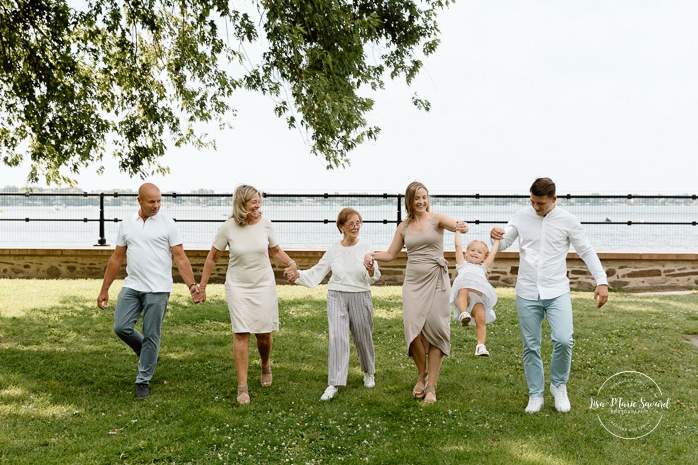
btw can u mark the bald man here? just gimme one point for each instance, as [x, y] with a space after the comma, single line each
[148, 240]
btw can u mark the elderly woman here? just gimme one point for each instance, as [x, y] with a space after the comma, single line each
[349, 302]
[426, 289]
[250, 286]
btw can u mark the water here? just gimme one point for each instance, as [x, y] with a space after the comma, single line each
[82, 227]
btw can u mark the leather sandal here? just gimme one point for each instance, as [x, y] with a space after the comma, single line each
[243, 395]
[430, 396]
[266, 377]
[419, 389]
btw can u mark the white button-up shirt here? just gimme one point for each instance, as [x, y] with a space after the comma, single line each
[544, 242]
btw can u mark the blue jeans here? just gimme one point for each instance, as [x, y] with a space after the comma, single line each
[559, 313]
[129, 307]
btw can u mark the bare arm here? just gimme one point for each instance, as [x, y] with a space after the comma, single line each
[185, 271]
[460, 258]
[394, 248]
[113, 266]
[279, 255]
[450, 224]
[493, 253]
[209, 264]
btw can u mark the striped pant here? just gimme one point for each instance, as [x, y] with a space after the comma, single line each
[349, 312]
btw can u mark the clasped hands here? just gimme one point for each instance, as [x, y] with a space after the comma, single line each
[198, 293]
[291, 272]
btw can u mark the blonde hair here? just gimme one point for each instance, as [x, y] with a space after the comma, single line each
[410, 194]
[478, 241]
[243, 194]
[344, 215]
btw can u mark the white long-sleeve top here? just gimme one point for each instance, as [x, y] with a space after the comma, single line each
[543, 246]
[347, 266]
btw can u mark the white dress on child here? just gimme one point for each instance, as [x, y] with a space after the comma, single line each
[474, 276]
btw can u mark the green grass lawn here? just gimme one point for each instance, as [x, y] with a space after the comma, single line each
[67, 393]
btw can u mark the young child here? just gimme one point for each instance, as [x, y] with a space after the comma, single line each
[472, 296]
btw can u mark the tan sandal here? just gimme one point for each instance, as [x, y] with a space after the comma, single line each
[430, 396]
[243, 395]
[266, 377]
[419, 389]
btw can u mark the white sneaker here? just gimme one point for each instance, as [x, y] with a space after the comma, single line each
[481, 350]
[369, 380]
[329, 393]
[535, 403]
[562, 402]
[464, 318]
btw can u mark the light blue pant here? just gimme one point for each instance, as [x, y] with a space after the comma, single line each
[129, 307]
[559, 314]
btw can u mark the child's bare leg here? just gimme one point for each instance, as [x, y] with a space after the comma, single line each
[462, 303]
[463, 300]
[480, 326]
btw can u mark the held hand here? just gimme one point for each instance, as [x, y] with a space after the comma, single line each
[102, 300]
[291, 272]
[195, 292]
[497, 233]
[601, 295]
[462, 227]
[369, 266]
[200, 296]
[368, 261]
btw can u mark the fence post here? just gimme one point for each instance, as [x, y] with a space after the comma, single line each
[102, 241]
[399, 209]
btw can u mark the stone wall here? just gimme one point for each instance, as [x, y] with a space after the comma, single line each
[626, 271]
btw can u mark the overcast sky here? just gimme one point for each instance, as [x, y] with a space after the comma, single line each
[600, 95]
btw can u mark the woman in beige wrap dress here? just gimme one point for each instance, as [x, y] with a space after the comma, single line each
[426, 289]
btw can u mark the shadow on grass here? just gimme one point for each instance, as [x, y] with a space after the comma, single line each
[66, 394]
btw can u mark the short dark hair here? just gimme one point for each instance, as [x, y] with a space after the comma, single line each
[543, 187]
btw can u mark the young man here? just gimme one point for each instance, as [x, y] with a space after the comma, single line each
[545, 233]
[149, 241]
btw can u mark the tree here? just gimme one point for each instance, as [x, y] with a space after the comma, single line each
[128, 75]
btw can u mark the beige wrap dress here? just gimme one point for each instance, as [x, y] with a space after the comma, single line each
[426, 289]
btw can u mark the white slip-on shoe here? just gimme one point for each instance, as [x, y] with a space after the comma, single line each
[329, 393]
[464, 318]
[535, 403]
[369, 380]
[562, 402]
[481, 350]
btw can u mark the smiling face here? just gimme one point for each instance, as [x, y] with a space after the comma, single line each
[416, 199]
[350, 229]
[476, 252]
[421, 200]
[252, 207]
[543, 204]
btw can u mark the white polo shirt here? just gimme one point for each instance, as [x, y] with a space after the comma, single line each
[148, 251]
[543, 246]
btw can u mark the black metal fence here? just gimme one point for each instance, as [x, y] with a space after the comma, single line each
[306, 221]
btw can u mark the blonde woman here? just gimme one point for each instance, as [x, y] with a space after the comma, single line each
[427, 286]
[250, 285]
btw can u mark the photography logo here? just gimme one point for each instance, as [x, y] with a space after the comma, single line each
[629, 405]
